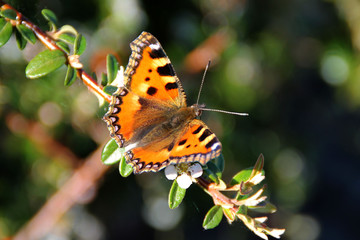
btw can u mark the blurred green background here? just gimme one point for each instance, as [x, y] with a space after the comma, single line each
[292, 65]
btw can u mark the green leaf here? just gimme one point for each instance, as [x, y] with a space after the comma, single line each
[63, 46]
[5, 31]
[93, 75]
[26, 33]
[9, 13]
[44, 63]
[70, 76]
[104, 81]
[79, 44]
[212, 172]
[124, 168]
[50, 16]
[68, 29]
[264, 207]
[259, 166]
[20, 40]
[112, 67]
[241, 176]
[110, 89]
[176, 195]
[111, 153]
[219, 162]
[229, 215]
[66, 38]
[242, 210]
[211, 175]
[2, 22]
[212, 166]
[213, 217]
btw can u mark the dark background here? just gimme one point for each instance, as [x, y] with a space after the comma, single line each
[292, 65]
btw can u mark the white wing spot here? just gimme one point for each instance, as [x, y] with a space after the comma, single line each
[155, 46]
[215, 146]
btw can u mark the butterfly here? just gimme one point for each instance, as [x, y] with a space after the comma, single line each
[149, 117]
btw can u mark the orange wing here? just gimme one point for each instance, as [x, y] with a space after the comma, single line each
[196, 144]
[120, 117]
[147, 159]
[150, 74]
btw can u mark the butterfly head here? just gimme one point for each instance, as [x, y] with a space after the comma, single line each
[198, 109]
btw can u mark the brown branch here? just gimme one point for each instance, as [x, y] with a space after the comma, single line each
[216, 195]
[83, 179]
[35, 132]
[80, 183]
[210, 49]
[51, 44]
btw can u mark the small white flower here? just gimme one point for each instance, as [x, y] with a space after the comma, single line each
[184, 181]
[184, 173]
[171, 172]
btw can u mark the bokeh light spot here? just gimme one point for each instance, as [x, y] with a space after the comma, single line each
[241, 70]
[158, 214]
[288, 165]
[303, 227]
[84, 108]
[292, 195]
[50, 114]
[334, 69]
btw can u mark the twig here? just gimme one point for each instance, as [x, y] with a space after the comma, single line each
[216, 195]
[35, 132]
[50, 44]
[83, 180]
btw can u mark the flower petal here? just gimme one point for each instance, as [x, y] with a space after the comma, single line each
[184, 181]
[196, 170]
[171, 172]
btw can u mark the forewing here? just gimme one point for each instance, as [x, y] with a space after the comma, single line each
[150, 74]
[120, 119]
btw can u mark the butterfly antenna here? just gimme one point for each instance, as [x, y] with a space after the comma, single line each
[209, 109]
[222, 111]
[202, 82]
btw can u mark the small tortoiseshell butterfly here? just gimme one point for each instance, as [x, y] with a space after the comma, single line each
[149, 117]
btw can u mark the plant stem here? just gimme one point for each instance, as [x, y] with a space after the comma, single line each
[217, 196]
[51, 44]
